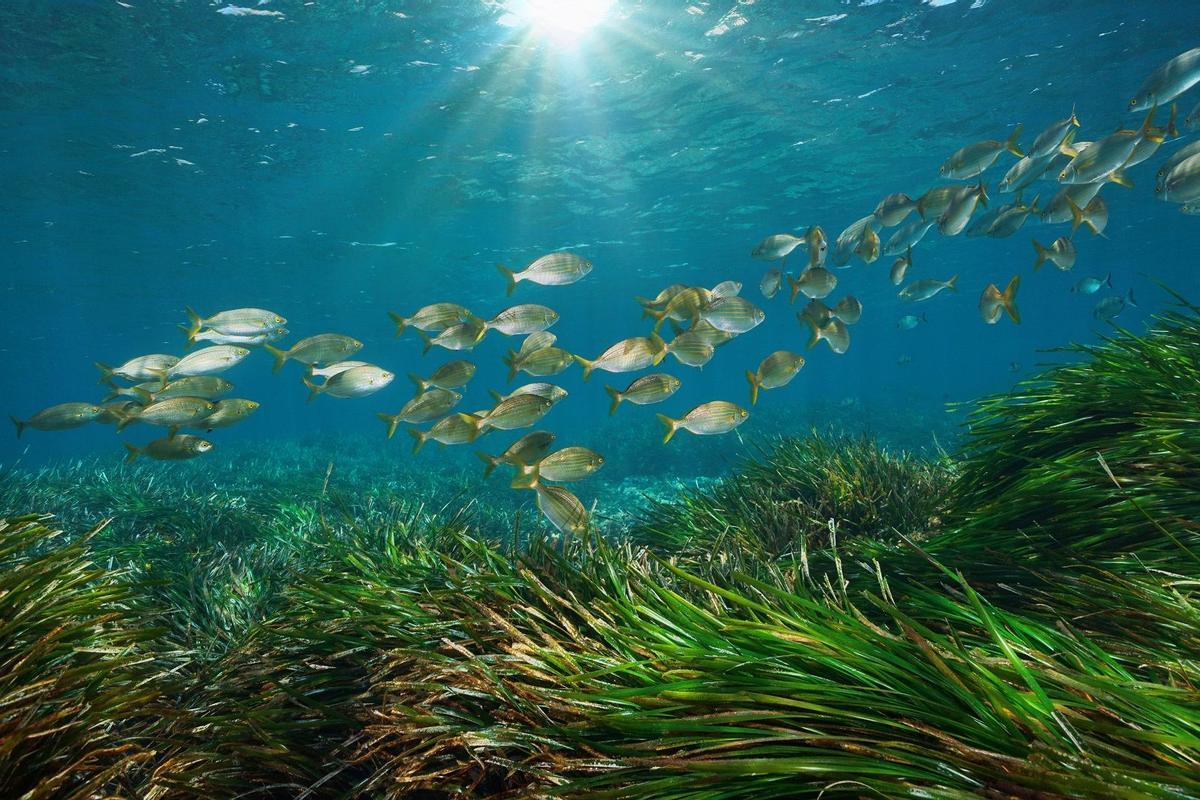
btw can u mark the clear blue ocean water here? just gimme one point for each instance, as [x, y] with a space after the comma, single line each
[333, 161]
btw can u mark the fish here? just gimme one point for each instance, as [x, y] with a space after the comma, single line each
[973, 159]
[113, 413]
[776, 247]
[1192, 121]
[868, 247]
[849, 240]
[1050, 140]
[425, 407]
[355, 382]
[1058, 210]
[691, 348]
[451, 375]
[662, 298]
[1147, 146]
[529, 449]
[732, 314]
[236, 322]
[993, 302]
[433, 318]
[818, 245]
[910, 321]
[175, 412]
[563, 509]
[900, 267]
[554, 269]
[627, 355]
[774, 371]
[707, 419]
[323, 349]
[936, 200]
[1061, 253]
[685, 306]
[1110, 307]
[1192, 207]
[956, 216]
[644, 391]
[908, 236]
[205, 361]
[142, 368]
[60, 417]
[540, 362]
[815, 283]
[228, 412]
[1092, 285]
[1104, 159]
[1182, 183]
[521, 320]
[1012, 218]
[834, 333]
[1168, 81]
[848, 309]
[726, 289]
[210, 387]
[460, 428]
[981, 224]
[772, 279]
[547, 390]
[520, 411]
[927, 288]
[1095, 216]
[562, 466]
[462, 336]
[893, 209]
[707, 332]
[212, 337]
[904, 360]
[1025, 173]
[1174, 160]
[818, 312]
[180, 447]
[333, 369]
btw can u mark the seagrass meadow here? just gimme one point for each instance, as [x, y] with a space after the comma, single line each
[1016, 616]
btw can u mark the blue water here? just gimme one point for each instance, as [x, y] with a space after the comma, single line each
[334, 161]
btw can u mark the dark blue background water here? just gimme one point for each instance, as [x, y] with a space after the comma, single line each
[157, 154]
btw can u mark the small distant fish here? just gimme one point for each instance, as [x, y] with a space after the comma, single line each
[1095, 216]
[520, 411]
[562, 466]
[1192, 208]
[433, 318]
[462, 336]
[908, 236]
[900, 267]
[1168, 81]
[834, 333]
[460, 428]
[323, 349]
[1061, 253]
[927, 288]
[529, 449]
[451, 375]
[848, 310]
[236, 322]
[522, 320]
[175, 412]
[180, 447]
[774, 371]
[425, 407]
[726, 289]
[628, 355]
[228, 412]
[993, 302]
[772, 279]
[59, 418]
[142, 368]
[894, 208]
[706, 419]
[910, 321]
[975, 158]
[361, 381]
[646, 390]
[777, 247]
[814, 283]
[1092, 285]
[1050, 140]
[555, 269]
[869, 246]
[732, 314]
[206, 361]
[563, 509]
[904, 360]
[547, 390]
[1110, 307]
[1014, 366]
[691, 348]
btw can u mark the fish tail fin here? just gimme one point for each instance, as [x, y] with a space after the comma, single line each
[952, 284]
[427, 339]
[280, 357]
[588, 366]
[794, 283]
[983, 195]
[671, 426]
[510, 359]
[114, 392]
[20, 425]
[420, 382]
[754, 386]
[1130, 299]
[510, 276]
[401, 322]
[106, 372]
[616, 396]
[1067, 145]
[661, 349]
[659, 318]
[1033, 207]
[1010, 144]
[419, 437]
[496, 395]
[1010, 299]
[391, 420]
[142, 395]
[1119, 177]
[1108, 280]
[131, 452]
[923, 317]
[194, 324]
[1042, 255]
[1171, 130]
[527, 477]
[814, 332]
[1077, 215]
[644, 302]
[489, 463]
[124, 421]
[1147, 130]
[314, 389]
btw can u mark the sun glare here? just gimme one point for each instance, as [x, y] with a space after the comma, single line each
[560, 20]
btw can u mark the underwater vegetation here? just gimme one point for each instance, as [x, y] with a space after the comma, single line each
[822, 623]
